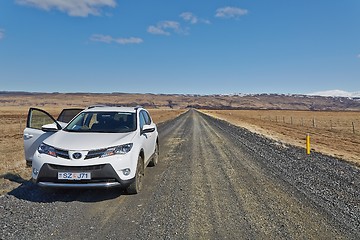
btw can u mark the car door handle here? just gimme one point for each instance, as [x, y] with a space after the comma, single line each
[28, 136]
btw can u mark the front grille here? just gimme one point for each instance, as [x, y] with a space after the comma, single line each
[76, 168]
[62, 153]
[95, 153]
[91, 154]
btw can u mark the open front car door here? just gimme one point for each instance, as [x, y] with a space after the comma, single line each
[40, 125]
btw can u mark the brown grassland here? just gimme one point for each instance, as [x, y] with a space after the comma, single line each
[12, 124]
[333, 133]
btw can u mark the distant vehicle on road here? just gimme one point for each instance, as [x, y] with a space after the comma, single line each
[100, 146]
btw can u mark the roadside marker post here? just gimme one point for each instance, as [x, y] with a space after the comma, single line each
[308, 144]
[353, 127]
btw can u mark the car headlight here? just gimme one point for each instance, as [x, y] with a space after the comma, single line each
[122, 149]
[46, 149]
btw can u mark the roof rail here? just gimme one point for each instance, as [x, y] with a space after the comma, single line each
[94, 106]
[137, 107]
[102, 105]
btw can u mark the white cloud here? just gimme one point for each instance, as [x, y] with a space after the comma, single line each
[101, 38]
[230, 12]
[358, 55]
[131, 40]
[110, 39]
[2, 33]
[78, 8]
[157, 31]
[164, 28]
[192, 18]
[170, 25]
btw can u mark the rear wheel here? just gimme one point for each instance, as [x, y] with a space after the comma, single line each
[135, 187]
[155, 159]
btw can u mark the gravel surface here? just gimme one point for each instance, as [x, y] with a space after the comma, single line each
[214, 181]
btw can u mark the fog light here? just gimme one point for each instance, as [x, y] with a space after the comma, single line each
[35, 171]
[126, 171]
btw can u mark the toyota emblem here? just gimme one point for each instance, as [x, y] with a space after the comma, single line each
[77, 155]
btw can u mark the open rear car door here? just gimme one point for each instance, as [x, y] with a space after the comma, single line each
[40, 125]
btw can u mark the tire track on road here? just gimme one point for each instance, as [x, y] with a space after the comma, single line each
[215, 210]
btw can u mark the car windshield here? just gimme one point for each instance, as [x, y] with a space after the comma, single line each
[108, 122]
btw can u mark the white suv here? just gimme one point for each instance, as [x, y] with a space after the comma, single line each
[101, 146]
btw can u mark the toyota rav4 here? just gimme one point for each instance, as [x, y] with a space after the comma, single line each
[100, 146]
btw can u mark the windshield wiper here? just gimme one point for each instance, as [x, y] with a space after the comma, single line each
[73, 130]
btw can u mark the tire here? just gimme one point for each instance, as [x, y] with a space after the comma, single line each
[135, 187]
[155, 159]
[28, 164]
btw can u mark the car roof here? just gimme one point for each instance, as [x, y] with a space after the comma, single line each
[111, 109]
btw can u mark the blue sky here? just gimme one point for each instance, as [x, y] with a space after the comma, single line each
[180, 46]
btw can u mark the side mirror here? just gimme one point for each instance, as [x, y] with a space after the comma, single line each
[147, 129]
[53, 127]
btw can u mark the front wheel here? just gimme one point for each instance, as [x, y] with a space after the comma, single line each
[155, 159]
[135, 187]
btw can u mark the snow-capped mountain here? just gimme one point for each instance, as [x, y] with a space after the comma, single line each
[336, 93]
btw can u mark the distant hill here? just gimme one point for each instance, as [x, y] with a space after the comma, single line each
[233, 101]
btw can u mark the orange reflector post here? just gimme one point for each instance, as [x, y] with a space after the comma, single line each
[308, 144]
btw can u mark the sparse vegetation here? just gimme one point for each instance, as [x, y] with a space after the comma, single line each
[331, 132]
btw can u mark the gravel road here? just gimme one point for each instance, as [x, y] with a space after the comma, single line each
[214, 181]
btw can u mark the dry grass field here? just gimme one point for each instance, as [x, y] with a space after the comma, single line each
[12, 124]
[333, 133]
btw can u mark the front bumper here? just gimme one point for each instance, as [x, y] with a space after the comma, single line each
[102, 176]
[79, 185]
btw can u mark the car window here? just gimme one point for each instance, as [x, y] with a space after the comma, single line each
[67, 114]
[90, 119]
[109, 122]
[37, 118]
[146, 117]
[142, 120]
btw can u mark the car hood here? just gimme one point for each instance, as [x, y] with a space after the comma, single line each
[88, 141]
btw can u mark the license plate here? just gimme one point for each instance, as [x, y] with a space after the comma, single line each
[74, 176]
